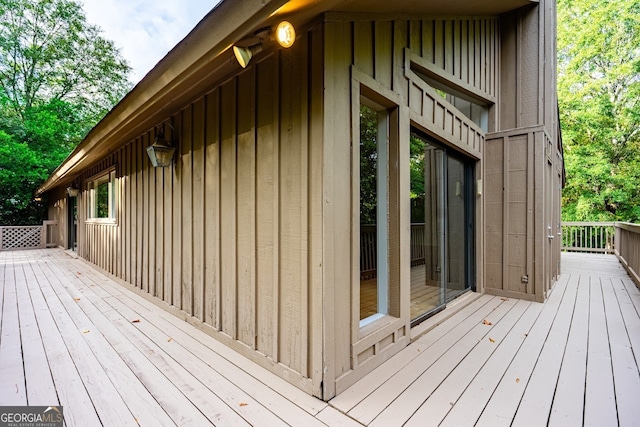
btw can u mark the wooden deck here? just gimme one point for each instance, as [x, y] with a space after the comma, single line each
[70, 335]
[570, 361]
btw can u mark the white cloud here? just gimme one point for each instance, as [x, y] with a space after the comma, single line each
[145, 30]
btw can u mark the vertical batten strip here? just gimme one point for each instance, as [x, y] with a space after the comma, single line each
[277, 102]
[198, 162]
[140, 220]
[212, 209]
[177, 241]
[315, 161]
[158, 193]
[304, 203]
[245, 207]
[228, 210]
[168, 175]
[266, 218]
[127, 212]
[144, 208]
[186, 158]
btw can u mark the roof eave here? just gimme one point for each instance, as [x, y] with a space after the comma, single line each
[224, 25]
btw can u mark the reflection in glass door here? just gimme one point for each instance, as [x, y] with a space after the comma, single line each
[441, 227]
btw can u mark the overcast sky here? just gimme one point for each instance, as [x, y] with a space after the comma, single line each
[145, 30]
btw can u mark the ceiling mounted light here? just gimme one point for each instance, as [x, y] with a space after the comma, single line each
[244, 54]
[285, 34]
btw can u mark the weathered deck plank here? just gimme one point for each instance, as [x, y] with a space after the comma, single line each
[568, 404]
[435, 409]
[538, 367]
[195, 342]
[535, 364]
[600, 404]
[39, 383]
[11, 372]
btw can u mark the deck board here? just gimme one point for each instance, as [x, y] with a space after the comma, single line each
[599, 405]
[11, 372]
[437, 406]
[474, 396]
[180, 331]
[68, 336]
[505, 399]
[38, 381]
[536, 402]
[568, 404]
[533, 374]
[376, 402]
[625, 370]
[426, 384]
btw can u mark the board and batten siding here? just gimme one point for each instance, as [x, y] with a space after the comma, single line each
[384, 55]
[523, 178]
[252, 233]
[523, 162]
[229, 236]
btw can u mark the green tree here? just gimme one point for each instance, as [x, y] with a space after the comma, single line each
[58, 78]
[599, 93]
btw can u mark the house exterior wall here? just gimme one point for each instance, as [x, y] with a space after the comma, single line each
[229, 236]
[505, 63]
[524, 164]
[383, 57]
[252, 234]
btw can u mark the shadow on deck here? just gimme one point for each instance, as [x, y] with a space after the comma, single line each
[72, 336]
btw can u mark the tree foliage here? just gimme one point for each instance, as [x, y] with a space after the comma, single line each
[599, 93]
[58, 77]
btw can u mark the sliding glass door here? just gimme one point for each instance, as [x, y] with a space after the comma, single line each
[441, 226]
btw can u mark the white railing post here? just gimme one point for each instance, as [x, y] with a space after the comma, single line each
[590, 237]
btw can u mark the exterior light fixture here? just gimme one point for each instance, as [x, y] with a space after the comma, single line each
[244, 54]
[285, 34]
[73, 191]
[161, 152]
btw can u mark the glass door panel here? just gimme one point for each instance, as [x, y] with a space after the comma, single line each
[456, 282]
[441, 227]
[427, 227]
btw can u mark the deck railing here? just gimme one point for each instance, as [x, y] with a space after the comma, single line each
[28, 237]
[619, 238]
[591, 237]
[628, 248]
[368, 254]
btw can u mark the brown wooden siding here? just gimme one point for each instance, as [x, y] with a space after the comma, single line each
[466, 49]
[250, 233]
[522, 213]
[226, 234]
[463, 52]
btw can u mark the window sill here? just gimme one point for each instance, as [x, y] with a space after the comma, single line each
[375, 323]
[102, 221]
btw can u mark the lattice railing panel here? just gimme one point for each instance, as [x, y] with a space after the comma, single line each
[21, 237]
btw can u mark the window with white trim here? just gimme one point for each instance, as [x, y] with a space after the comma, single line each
[378, 208]
[101, 197]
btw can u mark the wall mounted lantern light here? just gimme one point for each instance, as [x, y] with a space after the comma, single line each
[161, 152]
[73, 191]
[285, 35]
